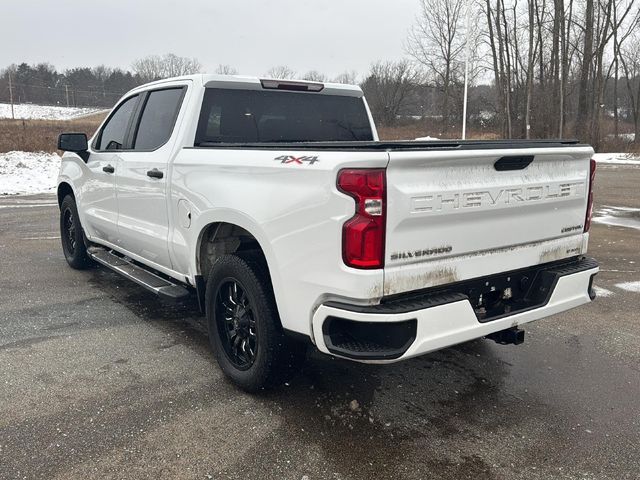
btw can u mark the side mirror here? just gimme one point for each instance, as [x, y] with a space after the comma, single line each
[73, 142]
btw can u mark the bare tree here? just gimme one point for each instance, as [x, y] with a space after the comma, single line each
[437, 42]
[630, 61]
[349, 77]
[388, 87]
[622, 32]
[281, 72]
[155, 67]
[102, 72]
[565, 20]
[582, 126]
[226, 70]
[501, 40]
[613, 15]
[554, 57]
[314, 76]
[530, 61]
[498, 69]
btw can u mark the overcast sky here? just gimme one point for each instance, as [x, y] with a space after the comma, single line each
[252, 35]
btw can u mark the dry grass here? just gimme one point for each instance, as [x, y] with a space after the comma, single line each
[417, 130]
[42, 135]
[611, 144]
[405, 132]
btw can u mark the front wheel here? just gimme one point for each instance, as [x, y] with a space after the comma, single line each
[244, 328]
[72, 235]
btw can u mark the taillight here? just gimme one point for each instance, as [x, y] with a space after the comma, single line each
[363, 234]
[592, 177]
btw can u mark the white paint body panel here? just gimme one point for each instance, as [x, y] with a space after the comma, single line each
[480, 221]
[98, 190]
[296, 214]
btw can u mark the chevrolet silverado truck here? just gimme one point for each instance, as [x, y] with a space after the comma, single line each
[275, 204]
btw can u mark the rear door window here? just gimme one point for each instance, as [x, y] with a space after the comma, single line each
[248, 116]
[112, 136]
[158, 118]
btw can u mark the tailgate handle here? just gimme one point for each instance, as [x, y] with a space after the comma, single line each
[513, 163]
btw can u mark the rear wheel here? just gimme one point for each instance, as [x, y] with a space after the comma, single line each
[72, 235]
[244, 328]
[236, 323]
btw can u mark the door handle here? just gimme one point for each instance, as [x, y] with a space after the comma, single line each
[108, 169]
[155, 173]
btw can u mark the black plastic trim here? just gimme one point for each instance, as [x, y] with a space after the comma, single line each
[382, 340]
[297, 336]
[519, 162]
[400, 145]
[455, 292]
[392, 305]
[201, 287]
[592, 292]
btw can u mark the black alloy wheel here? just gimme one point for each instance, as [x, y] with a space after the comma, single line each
[69, 230]
[245, 332]
[74, 243]
[236, 324]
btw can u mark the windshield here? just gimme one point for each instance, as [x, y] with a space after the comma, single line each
[247, 116]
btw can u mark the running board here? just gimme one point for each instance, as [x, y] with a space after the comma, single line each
[143, 277]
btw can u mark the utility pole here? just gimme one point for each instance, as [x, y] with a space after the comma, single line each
[66, 91]
[13, 116]
[466, 74]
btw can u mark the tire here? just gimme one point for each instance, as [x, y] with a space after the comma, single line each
[72, 235]
[239, 299]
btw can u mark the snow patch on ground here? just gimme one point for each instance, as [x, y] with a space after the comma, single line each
[618, 216]
[44, 112]
[629, 286]
[627, 137]
[602, 292]
[28, 172]
[426, 138]
[617, 158]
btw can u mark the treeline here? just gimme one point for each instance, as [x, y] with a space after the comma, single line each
[96, 87]
[102, 86]
[536, 69]
[557, 67]
[43, 84]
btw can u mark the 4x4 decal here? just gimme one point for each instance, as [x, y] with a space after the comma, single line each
[297, 160]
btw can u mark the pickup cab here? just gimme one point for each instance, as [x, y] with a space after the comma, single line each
[274, 203]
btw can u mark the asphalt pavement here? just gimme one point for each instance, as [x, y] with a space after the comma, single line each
[98, 379]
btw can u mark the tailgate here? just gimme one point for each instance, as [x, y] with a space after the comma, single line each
[455, 215]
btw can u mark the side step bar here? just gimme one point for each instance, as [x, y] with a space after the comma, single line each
[143, 277]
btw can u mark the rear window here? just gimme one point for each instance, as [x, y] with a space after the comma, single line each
[248, 116]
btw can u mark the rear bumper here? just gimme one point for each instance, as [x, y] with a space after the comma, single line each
[439, 319]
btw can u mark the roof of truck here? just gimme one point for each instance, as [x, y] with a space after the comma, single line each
[242, 81]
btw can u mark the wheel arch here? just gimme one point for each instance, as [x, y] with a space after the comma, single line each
[223, 238]
[219, 238]
[64, 189]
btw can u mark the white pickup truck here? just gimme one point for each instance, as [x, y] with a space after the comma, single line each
[277, 204]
